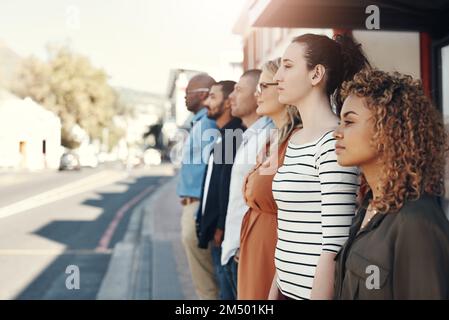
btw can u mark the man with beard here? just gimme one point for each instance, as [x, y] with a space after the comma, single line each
[213, 209]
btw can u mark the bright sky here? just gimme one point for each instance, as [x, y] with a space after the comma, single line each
[135, 41]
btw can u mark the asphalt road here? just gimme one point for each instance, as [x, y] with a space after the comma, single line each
[75, 224]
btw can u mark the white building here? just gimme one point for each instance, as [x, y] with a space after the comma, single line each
[30, 135]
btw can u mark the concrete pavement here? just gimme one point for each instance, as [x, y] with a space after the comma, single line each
[150, 262]
[37, 245]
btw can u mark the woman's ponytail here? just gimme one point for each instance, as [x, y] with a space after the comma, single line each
[353, 60]
[342, 58]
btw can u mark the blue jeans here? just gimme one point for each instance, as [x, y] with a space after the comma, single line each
[226, 292]
[231, 269]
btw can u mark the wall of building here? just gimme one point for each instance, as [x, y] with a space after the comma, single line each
[392, 51]
[263, 44]
[24, 125]
[386, 50]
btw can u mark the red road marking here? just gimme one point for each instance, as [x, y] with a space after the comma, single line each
[109, 233]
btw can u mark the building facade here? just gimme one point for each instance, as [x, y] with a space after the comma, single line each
[413, 37]
[30, 135]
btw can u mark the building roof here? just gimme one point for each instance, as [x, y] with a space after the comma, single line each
[24, 116]
[409, 15]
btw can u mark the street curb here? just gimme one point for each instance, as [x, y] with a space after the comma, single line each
[127, 268]
[143, 265]
[167, 268]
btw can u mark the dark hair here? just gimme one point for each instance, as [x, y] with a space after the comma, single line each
[342, 58]
[227, 86]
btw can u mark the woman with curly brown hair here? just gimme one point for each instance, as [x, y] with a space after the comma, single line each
[398, 246]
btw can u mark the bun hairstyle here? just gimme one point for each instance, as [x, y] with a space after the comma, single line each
[342, 58]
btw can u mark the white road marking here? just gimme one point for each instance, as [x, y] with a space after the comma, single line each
[50, 252]
[91, 182]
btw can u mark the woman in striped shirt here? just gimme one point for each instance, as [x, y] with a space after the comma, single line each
[314, 194]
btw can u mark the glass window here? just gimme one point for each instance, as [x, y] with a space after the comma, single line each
[444, 87]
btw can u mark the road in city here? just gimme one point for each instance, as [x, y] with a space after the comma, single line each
[52, 220]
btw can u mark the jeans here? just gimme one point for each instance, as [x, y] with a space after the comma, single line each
[231, 269]
[226, 290]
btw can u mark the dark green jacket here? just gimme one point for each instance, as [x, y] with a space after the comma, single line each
[402, 255]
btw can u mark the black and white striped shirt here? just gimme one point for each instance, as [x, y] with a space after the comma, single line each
[316, 203]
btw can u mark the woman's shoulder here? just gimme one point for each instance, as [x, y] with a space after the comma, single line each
[424, 213]
[326, 137]
[326, 143]
[289, 137]
[416, 208]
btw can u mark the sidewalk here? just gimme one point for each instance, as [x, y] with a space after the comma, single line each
[150, 262]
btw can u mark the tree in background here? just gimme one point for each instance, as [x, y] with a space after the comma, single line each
[76, 91]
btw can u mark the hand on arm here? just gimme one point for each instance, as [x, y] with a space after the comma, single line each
[274, 293]
[218, 237]
[237, 255]
[323, 283]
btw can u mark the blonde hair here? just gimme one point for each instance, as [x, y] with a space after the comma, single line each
[293, 117]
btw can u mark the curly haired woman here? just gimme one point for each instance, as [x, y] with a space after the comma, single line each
[398, 246]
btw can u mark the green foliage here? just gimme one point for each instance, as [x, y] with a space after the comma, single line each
[76, 91]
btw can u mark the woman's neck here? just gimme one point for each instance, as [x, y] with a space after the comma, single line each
[372, 173]
[250, 119]
[316, 112]
[279, 119]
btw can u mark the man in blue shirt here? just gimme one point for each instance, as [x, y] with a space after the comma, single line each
[190, 185]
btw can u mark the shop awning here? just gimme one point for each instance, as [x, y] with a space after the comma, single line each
[408, 15]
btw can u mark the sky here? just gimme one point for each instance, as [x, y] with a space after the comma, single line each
[136, 42]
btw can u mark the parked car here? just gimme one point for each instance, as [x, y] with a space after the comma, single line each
[69, 161]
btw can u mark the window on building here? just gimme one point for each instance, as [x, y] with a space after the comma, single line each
[445, 82]
[444, 87]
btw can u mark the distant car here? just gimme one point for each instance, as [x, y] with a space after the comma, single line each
[69, 161]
